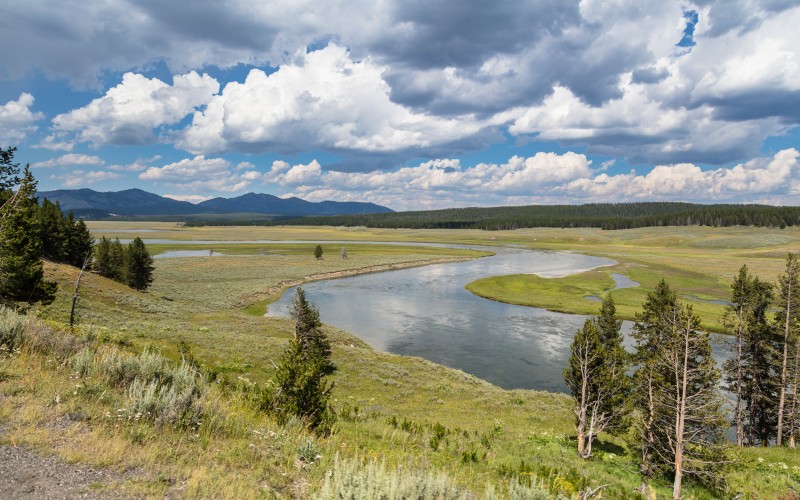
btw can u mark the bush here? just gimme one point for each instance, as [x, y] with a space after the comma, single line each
[171, 402]
[82, 362]
[12, 327]
[350, 479]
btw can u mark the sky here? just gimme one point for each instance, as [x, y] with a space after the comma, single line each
[406, 103]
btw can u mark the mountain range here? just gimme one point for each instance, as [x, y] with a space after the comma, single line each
[137, 203]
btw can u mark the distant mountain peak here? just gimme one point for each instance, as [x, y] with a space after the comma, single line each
[137, 202]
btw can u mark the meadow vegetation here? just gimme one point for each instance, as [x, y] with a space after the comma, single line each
[159, 382]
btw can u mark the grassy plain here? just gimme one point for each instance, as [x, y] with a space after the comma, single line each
[401, 410]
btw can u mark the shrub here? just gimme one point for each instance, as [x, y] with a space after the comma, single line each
[82, 362]
[12, 326]
[350, 479]
[171, 402]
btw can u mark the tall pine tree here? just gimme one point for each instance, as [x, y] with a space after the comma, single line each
[302, 390]
[682, 417]
[596, 375]
[21, 269]
[139, 265]
[787, 321]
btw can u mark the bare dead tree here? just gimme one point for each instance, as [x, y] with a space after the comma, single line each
[86, 261]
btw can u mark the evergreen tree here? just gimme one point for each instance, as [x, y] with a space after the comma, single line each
[117, 261]
[21, 269]
[308, 329]
[787, 320]
[648, 331]
[618, 363]
[79, 242]
[318, 252]
[750, 372]
[53, 234]
[682, 417]
[139, 265]
[761, 377]
[9, 173]
[102, 257]
[596, 375]
[302, 390]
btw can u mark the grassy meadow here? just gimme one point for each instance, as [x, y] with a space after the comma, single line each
[393, 410]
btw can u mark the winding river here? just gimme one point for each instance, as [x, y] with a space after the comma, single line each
[426, 312]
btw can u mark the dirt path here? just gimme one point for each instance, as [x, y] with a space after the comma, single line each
[26, 474]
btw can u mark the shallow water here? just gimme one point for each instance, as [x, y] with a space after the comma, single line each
[426, 312]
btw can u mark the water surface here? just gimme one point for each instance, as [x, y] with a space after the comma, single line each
[426, 312]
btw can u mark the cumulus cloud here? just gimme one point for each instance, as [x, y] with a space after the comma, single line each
[543, 178]
[17, 120]
[393, 80]
[55, 142]
[78, 178]
[69, 160]
[129, 112]
[324, 99]
[201, 174]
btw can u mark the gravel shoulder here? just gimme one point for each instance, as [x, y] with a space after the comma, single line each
[27, 474]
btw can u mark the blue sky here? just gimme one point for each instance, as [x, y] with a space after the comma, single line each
[410, 104]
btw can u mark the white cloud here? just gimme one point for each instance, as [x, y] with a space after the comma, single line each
[543, 178]
[17, 120]
[129, 112]
[55, 142]
[68, 160]
[201, 174]
[78, 178]
[323, 99]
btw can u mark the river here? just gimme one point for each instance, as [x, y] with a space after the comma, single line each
[426, 312]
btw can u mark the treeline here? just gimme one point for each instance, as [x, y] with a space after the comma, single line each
[598, 215]
[672, 399]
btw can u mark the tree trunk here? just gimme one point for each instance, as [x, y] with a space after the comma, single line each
[739, 409]
[582, 410]
[793, 410]
[782, 398]
[77, 288]
[680, 418]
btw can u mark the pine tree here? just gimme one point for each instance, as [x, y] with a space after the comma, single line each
[597, 379]
[648, 331]
[750, 373]
[139, 265]
[51, 223]
[117, 261]
[21, 269]
[80, 242]
[308, 329]
[318, 252]
[102, 257]
[302, 390]
[787, 320]
[682, 418]
[9, 173]
[618, 363]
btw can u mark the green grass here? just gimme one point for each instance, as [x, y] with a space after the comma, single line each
[393, 409]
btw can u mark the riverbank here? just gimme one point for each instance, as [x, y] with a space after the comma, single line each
[256, 304]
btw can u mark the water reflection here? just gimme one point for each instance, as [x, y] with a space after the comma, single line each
[426, 312]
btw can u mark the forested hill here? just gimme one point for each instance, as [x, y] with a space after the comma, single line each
[601, 215]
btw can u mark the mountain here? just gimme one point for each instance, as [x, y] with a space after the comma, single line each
[269, 204]
[135, 203]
